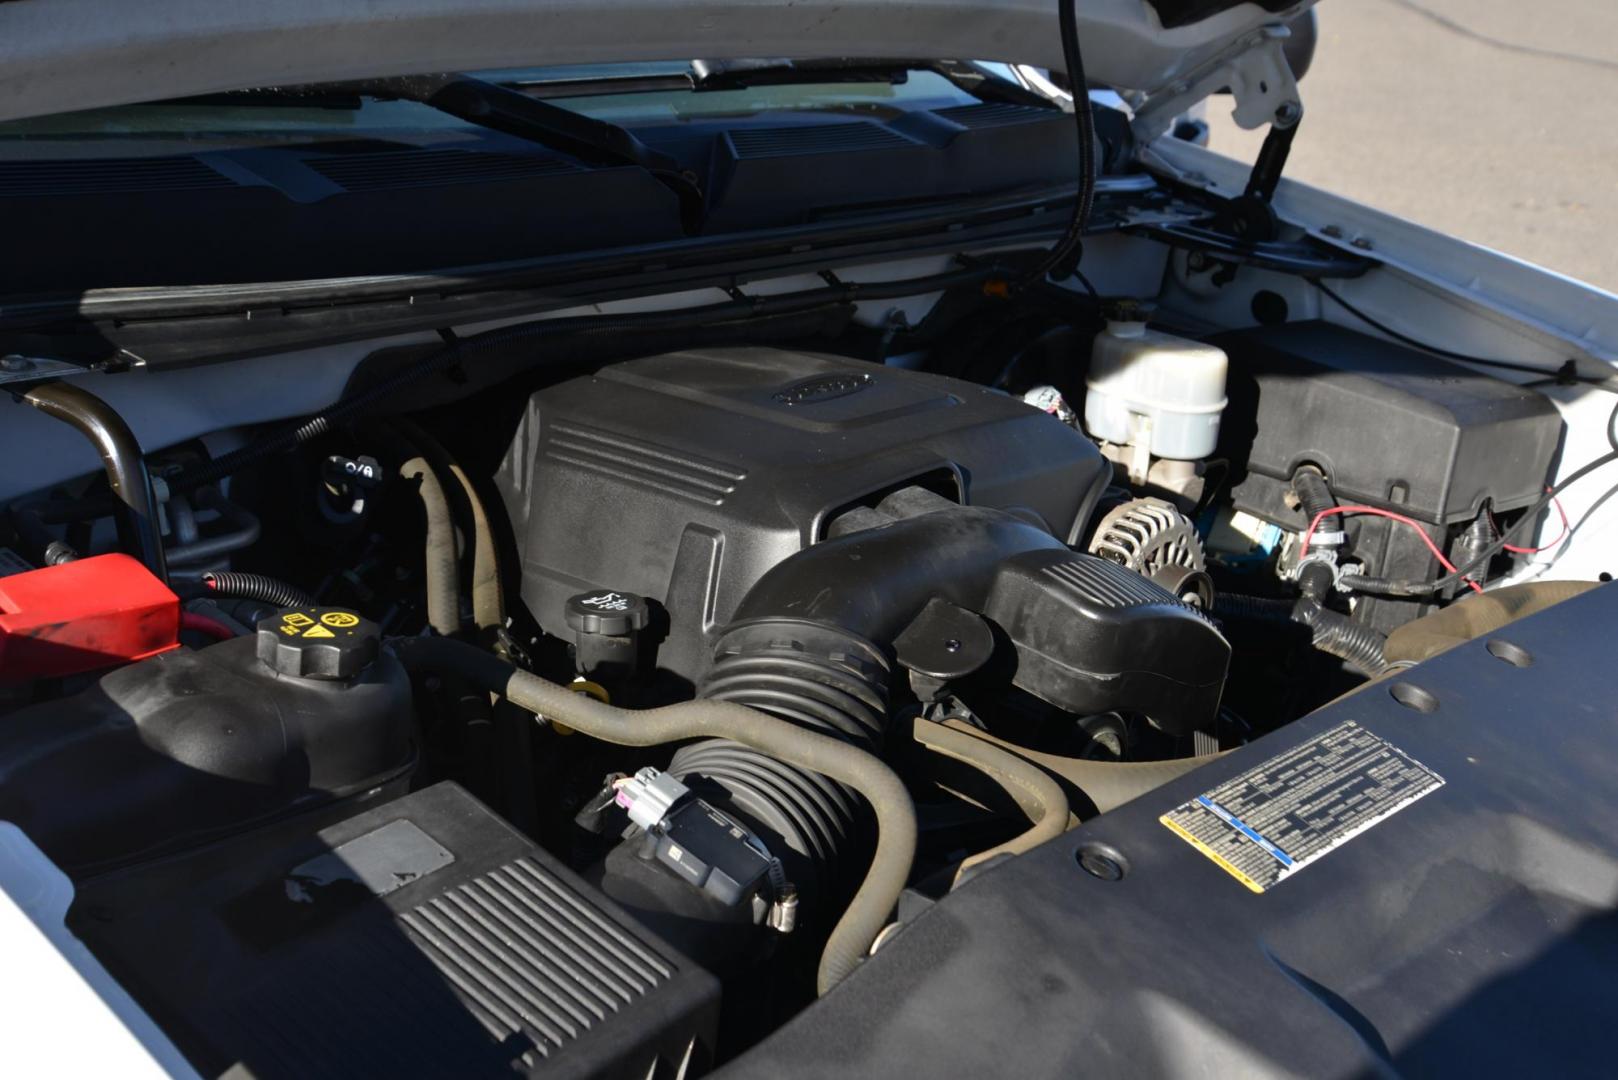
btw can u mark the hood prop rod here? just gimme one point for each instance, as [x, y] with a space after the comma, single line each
[139, 532]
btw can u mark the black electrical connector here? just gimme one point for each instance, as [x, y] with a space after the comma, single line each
[710, 852]
[702, 847]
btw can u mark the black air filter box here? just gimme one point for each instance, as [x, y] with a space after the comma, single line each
[423, 938]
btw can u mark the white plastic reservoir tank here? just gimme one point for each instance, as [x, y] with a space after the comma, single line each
[1159, 393]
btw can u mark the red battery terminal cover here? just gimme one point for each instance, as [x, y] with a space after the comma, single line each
[83, 615]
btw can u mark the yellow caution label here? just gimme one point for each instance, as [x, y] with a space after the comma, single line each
[1219, 860]
[289, 630]
[318, 631]
[339, 619]
[1266, 824]
[297, 618]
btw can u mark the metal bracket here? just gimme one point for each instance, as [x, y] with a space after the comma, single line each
[1254, 70]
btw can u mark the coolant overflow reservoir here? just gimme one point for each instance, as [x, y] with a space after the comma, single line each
[1160, 394]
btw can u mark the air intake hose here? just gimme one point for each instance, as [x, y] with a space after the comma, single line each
[810, 644]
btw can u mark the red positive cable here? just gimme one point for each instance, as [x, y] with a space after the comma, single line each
[1567, 527]
[202, 624]
[1390, 515]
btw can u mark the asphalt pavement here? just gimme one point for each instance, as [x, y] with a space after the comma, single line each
[1493, 120]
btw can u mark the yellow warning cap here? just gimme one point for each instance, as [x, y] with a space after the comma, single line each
[318, 643]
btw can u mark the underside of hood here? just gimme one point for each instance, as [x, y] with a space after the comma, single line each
[64, 55]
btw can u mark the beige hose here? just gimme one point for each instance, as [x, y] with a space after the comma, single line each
[443, 570]
[867, 913]
[1106, 785]
[488, 602]
[1040, 797]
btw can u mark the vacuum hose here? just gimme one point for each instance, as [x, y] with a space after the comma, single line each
[812, 752]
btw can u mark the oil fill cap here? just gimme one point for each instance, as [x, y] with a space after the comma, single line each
[608, 612]
[318, 643]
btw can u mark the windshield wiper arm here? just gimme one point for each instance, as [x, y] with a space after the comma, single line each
[500, 108]
[772, 71]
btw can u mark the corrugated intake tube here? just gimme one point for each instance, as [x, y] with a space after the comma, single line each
[810, 644]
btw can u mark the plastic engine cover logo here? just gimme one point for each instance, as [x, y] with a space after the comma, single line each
[823, 388]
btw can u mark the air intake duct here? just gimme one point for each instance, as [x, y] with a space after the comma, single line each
[811, 644]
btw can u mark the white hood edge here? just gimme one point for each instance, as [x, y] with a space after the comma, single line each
[64, 55]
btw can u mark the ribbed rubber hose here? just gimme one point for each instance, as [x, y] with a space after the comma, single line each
[1335, 634]
[1314, 495]
[1106, 784]
[265, 590]
[1040, 797]
[1331, 632]
[443, 570]
[872, 904]
[817, 656]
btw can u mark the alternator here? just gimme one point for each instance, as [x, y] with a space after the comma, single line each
[1152, 538]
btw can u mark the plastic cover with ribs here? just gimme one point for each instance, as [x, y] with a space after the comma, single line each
[1091, 636]
[425, 937]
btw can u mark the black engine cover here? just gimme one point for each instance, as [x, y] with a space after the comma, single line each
[685, 477]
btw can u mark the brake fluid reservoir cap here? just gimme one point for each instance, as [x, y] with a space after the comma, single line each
[318, 643]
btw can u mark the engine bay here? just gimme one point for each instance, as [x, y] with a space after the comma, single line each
[601, 713]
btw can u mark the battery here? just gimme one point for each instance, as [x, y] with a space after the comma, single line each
[83, 615]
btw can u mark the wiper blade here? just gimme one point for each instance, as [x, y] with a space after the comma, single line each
[772, 71]
[272, 97]
[767, 71]
[512, 112]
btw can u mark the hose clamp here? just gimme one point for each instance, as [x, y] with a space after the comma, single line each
[1327, 557]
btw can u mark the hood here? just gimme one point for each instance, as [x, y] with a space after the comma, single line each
[64, 55]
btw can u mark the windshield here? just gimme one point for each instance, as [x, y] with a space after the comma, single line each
[439, 173]
[625, 94]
